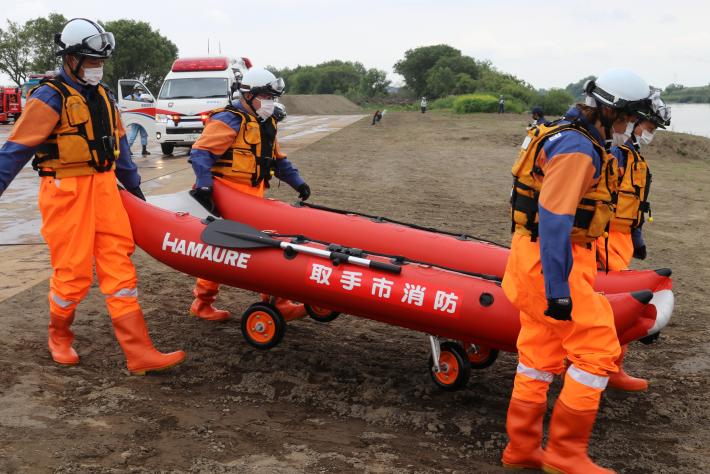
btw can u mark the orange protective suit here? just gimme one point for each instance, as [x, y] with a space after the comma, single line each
[620, 248]
[589, 341]
[79, 229]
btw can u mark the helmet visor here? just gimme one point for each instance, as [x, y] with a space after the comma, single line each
[101, 43]
[276, 86]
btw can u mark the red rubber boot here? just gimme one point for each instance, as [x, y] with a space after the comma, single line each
[524, 426]
[60, 340]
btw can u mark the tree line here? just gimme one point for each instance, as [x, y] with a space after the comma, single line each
[438, 72]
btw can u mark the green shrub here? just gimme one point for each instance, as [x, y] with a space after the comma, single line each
[443, 103]
[475, 103]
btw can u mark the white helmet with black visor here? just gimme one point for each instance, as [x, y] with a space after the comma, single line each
[619, 89]
[258, 82]
[82, 38]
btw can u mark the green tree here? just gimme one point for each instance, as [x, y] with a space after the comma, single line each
[40, 32]
[555, 101]
[374, 83]
[465, 84]
[417, 62]
[15, 52]
[440, 81]
[141, 53]
[577, 88]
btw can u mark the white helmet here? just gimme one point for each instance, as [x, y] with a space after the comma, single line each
[84, 37]
[260, 81]
[618, 89]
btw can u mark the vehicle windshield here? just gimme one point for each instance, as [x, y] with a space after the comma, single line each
[195, 88]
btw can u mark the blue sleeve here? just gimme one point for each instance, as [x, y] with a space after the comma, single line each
[13, 157]
[555, 252]
[285, 171]
[619, 155]
[126, 169]
[202, 161]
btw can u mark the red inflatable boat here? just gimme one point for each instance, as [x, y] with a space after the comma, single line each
[432, 300]
[381, 235]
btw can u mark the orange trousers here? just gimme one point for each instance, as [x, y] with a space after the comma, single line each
[246, 189]
[84, 223]
[621, 250]
[589, 342]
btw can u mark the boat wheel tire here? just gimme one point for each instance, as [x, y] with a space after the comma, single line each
[455, 367]
[322, 315]
[263, 326]
[481, 357]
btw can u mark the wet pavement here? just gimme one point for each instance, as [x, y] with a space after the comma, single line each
[22, 250]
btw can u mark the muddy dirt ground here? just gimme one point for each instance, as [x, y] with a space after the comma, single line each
[354, 395]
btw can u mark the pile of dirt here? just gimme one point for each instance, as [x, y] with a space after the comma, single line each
[354, 395]
[318, 104]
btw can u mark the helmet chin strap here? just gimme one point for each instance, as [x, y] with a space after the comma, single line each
[608, 131]
[75, 70]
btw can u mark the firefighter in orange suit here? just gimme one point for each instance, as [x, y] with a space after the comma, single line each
[72, 127]
[562, 200]
[239, 146]
[625, 238]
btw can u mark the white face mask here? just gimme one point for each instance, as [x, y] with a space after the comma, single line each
[266, 109]
[645, 138]
[93, 75]
[621, 138]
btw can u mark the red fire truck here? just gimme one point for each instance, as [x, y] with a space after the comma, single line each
[10, 104]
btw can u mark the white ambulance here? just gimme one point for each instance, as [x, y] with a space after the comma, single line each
[192, 88]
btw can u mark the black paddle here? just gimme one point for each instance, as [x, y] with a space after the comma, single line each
[232, 234]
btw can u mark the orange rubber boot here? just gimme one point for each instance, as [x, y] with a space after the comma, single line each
[290, 309]
[524, 426]
[202, 306]
[566, 450]
[141, 356]
[623, 381]
[60, 340]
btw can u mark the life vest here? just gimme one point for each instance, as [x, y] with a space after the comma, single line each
[596, 207]
[634, 185]
[85, 140]
[252, 157]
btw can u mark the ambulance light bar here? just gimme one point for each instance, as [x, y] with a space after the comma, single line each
[200, 64]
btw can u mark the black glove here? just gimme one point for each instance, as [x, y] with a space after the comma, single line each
[640, 252]
[304, 191]
[137, 192]
[559, 308]
[204, 197]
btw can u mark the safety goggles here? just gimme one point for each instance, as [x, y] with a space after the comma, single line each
[274, 88]
[660, 111]
[100, 42]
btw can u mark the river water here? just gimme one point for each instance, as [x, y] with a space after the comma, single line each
[691, 118]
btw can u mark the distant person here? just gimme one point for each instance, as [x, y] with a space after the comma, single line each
[501, 105]
[377, 117]
[423, 104]
[134, 128]
[538, 116]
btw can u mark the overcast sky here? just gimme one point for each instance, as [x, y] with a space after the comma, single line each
[547, 43]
